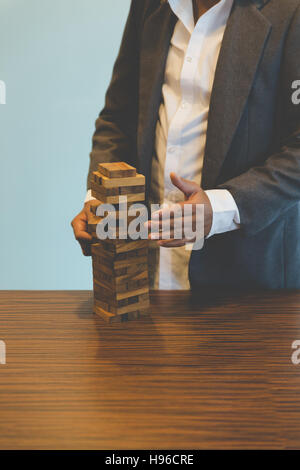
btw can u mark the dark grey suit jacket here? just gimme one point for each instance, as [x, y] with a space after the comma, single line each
[253, 137]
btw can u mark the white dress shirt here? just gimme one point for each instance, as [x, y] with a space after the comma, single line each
[181, 129]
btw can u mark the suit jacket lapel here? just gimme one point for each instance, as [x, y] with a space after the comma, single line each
[243, 44]
[156, 36]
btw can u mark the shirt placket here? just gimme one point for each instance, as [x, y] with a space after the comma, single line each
[175, 149]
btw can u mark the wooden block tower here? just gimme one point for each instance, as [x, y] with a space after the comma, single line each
[120, 266]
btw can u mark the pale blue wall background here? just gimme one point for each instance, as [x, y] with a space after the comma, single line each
[56, 58]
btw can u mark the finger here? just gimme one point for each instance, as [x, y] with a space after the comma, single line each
[80, 222]
[79, 225]
[168, 213]
[173, 242]
[85, 247]
[186, 186]
[167, 235]
[177, 228]
[84, 239]
[171, 235]
[82, 236]
[171, 223]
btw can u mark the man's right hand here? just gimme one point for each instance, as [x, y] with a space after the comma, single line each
[80, 228]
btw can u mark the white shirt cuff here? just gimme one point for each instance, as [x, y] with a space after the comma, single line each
[226, 215]
[89, 196]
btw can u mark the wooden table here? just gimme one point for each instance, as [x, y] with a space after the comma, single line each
[197, 373]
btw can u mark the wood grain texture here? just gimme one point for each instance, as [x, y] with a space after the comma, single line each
[117, 170]
[137, 180]
[207, 372]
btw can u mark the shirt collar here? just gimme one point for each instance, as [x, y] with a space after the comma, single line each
[183, 9]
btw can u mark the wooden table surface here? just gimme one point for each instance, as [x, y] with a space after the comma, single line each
[195, 374]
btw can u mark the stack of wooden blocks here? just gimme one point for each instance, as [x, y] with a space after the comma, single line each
[120, 266]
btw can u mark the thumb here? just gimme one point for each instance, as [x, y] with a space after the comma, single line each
[186, 186]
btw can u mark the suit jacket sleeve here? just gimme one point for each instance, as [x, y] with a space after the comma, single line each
[114, 138]
[265, 192]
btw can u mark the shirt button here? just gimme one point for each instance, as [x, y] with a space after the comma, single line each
[189, 59]
[183, 104]
[171, 149]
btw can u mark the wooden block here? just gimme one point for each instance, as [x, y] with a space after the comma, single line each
[126, 190]
[139, 197]
[144, 298]
[93, 218]
[117, 170]
[130, 270]
[133, 315]
[144, 312]
[111, 318]
[116, 209]
[135, 279]
[96, 239]
[106, 191]
[121, 246]
[103, 278]
[109, 270]
[109, 282]
[118, 185]
[116, 264]
[102, 303]
[99, 302]
[131, 286]
[134, 293]
[98, 279]
[100, 249]
[115, 271]
[140, 305]
[107, 293]
[107, 316]
[137, 180]
[122, 191]
[132, 245]
[130, 280]
[118, 214]
[117, 190]
[118, 273]
[136, 284]
[120, 233]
